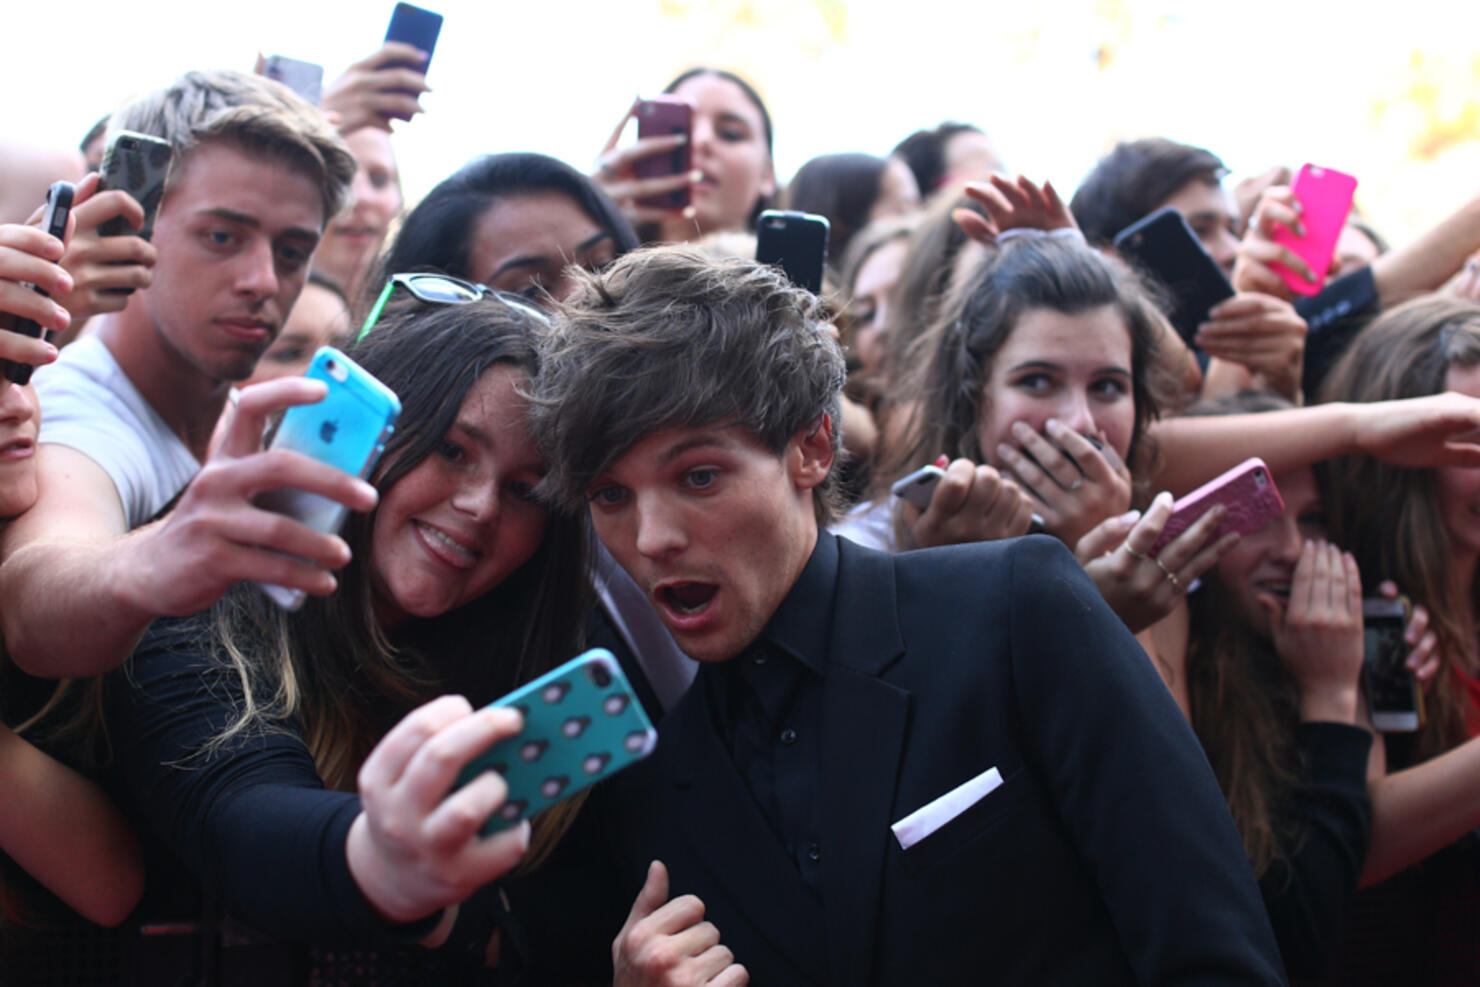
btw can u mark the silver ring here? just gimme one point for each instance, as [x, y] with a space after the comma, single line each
[1076, 484]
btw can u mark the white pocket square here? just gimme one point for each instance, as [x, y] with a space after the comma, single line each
[928, 818]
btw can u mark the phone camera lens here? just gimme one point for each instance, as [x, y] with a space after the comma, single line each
[601, 676]
[331, 365]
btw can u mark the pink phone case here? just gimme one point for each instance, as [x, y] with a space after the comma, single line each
[1325, 198]
[1247, 490]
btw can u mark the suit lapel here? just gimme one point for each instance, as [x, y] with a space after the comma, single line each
[863, 722]
[730, 839]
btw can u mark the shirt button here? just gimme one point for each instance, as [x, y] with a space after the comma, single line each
[814, 852]
[759, 659]
[788, 736]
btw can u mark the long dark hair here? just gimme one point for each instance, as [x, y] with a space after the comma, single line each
[330, 666]
[1389, 516]
[946, 397]
[438, 233]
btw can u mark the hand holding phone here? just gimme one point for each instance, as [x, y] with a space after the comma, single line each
[53, 224]
[1247, 491]
[216, 536]
[138, 164]
[582, 723]
[1163, 247]
[1140, 585]
[645, 176]
[963, 502]
[348, 430]
[411, 851]
[1325, 196]
[105, 270]
[379, 88]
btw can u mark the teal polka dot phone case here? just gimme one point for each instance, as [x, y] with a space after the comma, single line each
[582, 723]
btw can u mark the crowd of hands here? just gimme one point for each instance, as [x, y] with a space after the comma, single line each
[413, 850]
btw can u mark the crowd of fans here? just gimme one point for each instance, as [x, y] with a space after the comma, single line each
[188, 763]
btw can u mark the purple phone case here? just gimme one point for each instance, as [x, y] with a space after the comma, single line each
[1247, 490]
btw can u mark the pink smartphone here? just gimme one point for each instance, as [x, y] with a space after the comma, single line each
[1325, 198]
[664, 116]
[1247, 490]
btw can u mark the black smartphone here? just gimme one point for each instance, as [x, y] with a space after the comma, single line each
[1393, 697]
[1163, 248]
[304, 78]
[138, 164]
[796, 242]
[53, 221]
[416, 27]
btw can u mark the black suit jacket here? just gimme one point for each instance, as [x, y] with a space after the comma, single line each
[1106, 856]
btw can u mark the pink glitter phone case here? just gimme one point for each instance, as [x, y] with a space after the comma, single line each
[1247, 490]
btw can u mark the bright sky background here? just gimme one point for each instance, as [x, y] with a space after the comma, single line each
[1055, 82]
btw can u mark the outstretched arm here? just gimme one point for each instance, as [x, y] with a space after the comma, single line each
[1438, 430]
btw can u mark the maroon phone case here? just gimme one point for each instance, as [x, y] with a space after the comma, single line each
[1247, 490]
[664, 116]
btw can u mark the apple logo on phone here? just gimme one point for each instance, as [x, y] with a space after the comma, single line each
[327, 430]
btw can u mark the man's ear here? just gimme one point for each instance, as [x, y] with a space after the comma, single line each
[811, 454]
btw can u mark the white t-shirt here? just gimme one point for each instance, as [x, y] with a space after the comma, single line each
[870, 524]
[89, 404]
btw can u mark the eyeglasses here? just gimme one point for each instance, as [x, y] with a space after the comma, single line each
[440, 289]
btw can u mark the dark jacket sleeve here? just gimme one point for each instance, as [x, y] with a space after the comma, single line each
[1131, 784]
[1334, 317]
[1308, 892]
[251, 820]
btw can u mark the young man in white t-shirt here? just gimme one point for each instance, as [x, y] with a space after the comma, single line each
[257, 174]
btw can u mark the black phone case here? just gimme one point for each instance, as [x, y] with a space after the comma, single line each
[58, 206]
[1163, 247]
[796, 242]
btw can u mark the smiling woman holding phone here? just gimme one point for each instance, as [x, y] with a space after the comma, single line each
[298, 763]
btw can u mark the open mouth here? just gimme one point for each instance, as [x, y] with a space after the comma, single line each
[17, 449]
[1278, 590]
[446, 546]
[688, 599]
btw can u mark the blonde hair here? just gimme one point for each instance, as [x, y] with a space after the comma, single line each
[256, 115]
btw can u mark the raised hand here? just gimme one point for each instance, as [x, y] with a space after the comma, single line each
[1142, 587]
[414, 849]
[1075, 484]
[378, 89]
[667, 943]
[970, 503]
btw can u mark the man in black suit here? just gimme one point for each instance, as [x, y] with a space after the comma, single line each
[948, 766]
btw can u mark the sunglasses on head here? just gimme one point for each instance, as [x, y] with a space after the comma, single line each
[441, 289]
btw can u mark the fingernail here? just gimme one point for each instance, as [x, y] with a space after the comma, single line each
[1164, 497]
[696, 175]
[51, 350]
[684, 139]
[1053, 423]
[1021, 429]
[942, 461]
[1218, 510]
[1131, 516]
[1005, 451]
[690, 212]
